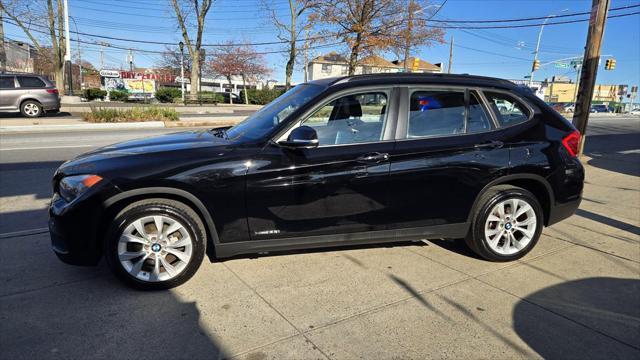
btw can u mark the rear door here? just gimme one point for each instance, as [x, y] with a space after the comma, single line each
[447, 150]
[340, 186]
[8, 92]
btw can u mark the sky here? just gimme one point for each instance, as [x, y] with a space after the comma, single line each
[504, 53]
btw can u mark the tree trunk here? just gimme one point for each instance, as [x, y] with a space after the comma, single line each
[195, 72]
[244, 85]
[230, 89]
[353, 59]
[290, 64]
[3, 55]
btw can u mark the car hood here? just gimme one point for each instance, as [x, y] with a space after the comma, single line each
[166, 149]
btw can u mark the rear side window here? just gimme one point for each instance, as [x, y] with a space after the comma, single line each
[508, 110]
[444, 113]
[30, 82]
[6, 82]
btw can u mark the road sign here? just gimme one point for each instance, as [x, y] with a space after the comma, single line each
[561, 65]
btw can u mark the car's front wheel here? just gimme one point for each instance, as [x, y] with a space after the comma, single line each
[507, 224]
[155, 244]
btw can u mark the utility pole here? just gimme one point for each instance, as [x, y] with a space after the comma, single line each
[3, 54]
[306, 56]
[591, 59]
[407, 45]
[101, 56]
[75, 25]
[67, 50]
[575, 88]
[130, 60]
[535, 53]
[450, 55]
[181, 45]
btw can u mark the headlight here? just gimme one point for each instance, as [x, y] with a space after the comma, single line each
[73, 186]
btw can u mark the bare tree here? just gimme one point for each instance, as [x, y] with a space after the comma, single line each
[185, 10]
[301, 18]
[27, 13]
[414, 32]
[170, 60]
[238, 60]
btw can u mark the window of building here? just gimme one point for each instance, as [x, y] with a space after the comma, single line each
[326, 68]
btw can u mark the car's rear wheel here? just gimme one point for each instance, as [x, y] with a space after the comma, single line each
[507, 224]
[155, 244]
[31, 109]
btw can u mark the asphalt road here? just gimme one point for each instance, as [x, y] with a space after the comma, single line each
[576, 295]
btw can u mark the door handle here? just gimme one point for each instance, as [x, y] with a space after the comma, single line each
[490, 144]
[374, 157]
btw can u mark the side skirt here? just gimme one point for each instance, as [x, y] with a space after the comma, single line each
[451, 231]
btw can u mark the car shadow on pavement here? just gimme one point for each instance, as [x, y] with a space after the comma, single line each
[16, 114]
[606, 309]
[98, 317]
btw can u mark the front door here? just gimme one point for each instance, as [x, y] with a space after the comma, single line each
[447, 151]
[338, 187]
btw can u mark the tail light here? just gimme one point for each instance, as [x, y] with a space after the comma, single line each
[571, 142]
[52, 91]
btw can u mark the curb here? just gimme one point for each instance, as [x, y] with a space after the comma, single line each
[101, 126]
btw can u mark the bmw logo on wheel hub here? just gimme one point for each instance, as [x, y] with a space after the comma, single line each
[156, 247]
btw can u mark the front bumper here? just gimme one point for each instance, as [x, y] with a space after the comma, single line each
[73, 232]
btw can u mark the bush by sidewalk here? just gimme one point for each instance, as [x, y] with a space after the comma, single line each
[168, 95]
[261, 97]
[94, 93]
[106, 115]
[118, 95]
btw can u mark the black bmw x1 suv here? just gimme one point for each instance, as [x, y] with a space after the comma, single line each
[342, 161]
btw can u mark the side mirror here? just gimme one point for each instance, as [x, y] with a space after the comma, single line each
[302, 137]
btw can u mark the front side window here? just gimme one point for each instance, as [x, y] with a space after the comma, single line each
[30, 82]
[508, 110]
[445, 113]
[351, 119]
[6, 82]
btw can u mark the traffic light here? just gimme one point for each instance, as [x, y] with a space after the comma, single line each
[536, 65]
[610, 64]
[415, 65]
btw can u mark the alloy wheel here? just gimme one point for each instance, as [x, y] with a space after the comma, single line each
[155, 248]
[510, 226]
[31, 109]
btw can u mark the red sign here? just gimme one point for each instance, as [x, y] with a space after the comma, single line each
[149, 76]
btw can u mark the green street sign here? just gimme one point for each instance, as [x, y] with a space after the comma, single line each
[562, 65]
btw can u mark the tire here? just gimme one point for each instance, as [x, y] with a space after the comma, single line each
[31, 109]
[526, 229]
[187, 241]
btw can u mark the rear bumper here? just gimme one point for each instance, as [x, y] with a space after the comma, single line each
[562, 211]
[51, 103]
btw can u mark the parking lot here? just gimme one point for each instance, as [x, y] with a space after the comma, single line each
[576, 295]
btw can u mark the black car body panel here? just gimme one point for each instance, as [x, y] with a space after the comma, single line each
[255, 195]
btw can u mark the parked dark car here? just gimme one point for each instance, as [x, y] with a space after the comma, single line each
[433, 156]
[600, 108]
[31, 94]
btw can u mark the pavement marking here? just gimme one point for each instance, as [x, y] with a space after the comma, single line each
[24, 233]
[48, 147]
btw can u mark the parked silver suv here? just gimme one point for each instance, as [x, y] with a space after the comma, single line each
[30, 94]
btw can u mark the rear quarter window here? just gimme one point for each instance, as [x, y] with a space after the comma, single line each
[6, 82]
[508, 109]
[30, 82]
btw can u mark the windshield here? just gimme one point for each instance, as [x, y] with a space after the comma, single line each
[266, 119]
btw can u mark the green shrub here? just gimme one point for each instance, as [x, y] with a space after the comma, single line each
[167, 94]
[111, 115]
[210, 97]
[118, 95]
[94, 93]
[262, 97]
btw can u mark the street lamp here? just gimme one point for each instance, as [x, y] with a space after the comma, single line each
[181, 45]
[535, 54]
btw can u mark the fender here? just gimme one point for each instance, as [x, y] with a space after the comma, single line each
[173, 191]
[506, 179]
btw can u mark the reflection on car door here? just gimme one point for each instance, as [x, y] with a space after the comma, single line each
[445, 154]
[8, 94]
[338, 187]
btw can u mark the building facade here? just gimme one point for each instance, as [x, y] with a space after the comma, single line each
[334, 64]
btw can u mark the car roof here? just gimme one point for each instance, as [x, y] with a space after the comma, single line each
[417, 78]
